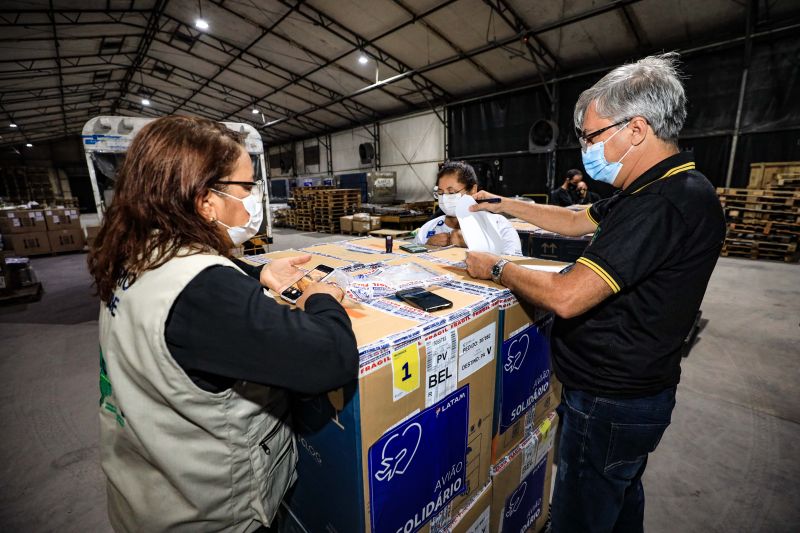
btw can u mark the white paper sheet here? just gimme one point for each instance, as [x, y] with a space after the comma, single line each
[478, 229]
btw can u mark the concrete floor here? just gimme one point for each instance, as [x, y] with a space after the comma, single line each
[727, 463]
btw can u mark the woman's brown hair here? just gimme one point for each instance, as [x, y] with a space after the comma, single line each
[168, 170]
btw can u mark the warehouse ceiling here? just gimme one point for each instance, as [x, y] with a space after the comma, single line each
[299, 68]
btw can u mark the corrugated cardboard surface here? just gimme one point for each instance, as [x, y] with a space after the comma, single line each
[25, 244]
[379, 412]
[337, 430]
[349, 254]
[22, 221]
[474, 518]
[66, 240]
[513, 471]
[62, 218]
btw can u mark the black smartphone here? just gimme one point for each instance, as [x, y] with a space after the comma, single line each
[413, 248]
[293, 293]
[422, 299]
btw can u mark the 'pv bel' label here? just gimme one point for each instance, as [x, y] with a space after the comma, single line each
[441, 364]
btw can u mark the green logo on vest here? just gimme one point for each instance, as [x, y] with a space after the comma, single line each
[106, 391]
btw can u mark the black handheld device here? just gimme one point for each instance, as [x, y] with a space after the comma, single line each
[422, 299]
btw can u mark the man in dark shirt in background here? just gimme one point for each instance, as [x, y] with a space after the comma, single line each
[585, 196]
[628, 303]
[567, 194]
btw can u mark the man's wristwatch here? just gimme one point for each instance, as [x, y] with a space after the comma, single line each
[497, 270]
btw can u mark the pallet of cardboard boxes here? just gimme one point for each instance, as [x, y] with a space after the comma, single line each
[41, 231]
[451, 414]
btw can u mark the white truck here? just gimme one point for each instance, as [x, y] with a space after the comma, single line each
[106, 141]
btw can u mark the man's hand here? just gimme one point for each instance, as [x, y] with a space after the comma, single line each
[440, 239]
[492, 208]
[319, 288]
[281, 273]
[479, 264]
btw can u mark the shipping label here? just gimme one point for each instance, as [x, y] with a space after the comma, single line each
[476, 351]
[441, 351]
[405, 371]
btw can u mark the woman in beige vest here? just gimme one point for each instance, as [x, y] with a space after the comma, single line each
[195, 358]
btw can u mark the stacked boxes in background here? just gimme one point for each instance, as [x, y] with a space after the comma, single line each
[24, 231]
[413, 443]
[64, 230]
[41, 231]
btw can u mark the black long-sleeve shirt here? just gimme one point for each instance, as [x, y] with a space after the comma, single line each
[223, 328]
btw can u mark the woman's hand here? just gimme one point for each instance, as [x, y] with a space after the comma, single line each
[319, 288]
[440, 239]
[281, 273]
[457, 238]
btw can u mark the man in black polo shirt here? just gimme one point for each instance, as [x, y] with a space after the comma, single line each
[626, 306]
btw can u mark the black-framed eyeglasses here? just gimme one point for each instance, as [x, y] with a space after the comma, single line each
[437, 192]
[586, 138]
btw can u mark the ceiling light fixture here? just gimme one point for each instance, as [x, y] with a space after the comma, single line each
[200, 23]
[29, 145]
[145, 101]
[255, 111]
[12, 125]
[363, 59]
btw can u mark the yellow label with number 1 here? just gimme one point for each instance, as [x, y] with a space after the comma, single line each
[405, 370]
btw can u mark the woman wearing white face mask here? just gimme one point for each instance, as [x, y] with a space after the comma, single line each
[195, 360]
[454, 180]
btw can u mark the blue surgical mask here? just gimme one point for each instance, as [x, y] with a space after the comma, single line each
[595, 164]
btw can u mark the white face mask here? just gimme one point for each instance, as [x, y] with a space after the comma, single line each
[448, 202]
[254, 207]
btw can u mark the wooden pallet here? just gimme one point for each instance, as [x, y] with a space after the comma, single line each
[746, 214]
[763, 175]
[766, 227]
[749, 253]
[757, 193]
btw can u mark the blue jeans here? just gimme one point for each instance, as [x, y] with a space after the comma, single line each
[602, 455]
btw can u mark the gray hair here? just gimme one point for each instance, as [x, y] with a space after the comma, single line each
[650, 88]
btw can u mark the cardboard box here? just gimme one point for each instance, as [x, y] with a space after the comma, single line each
[370, 438]
[524, 376]
[521, 482]
[25, 244]
[474, 518]
[16, 221]
[346, 223]
[66, 240]
[364, 223]
[58, 219]
[412, 436]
